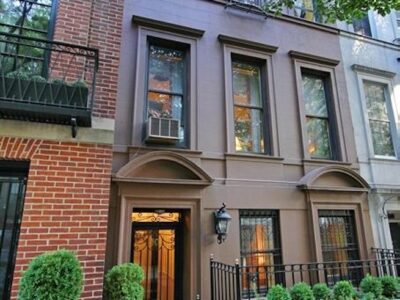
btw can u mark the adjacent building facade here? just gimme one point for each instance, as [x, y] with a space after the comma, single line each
[220, 103]
[371, 64]
[58, 85]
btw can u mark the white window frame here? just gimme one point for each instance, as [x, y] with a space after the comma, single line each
[392, 107]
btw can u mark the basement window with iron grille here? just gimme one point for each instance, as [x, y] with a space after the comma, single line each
[338, 235]
[260, 249]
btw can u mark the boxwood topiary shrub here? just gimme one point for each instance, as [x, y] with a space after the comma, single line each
[53, 275]
[343, 290]
[123, 282]
[321, 291]
[390, 286]
[372, 285]
[278, 292]
[301, 291]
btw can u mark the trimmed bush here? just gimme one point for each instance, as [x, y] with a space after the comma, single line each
[371, 284]
[301, 291]
[278, 292]
[390, 286]
[343, 290]
[54, 275]
[123, 282]
[368, 296]
[321, 291]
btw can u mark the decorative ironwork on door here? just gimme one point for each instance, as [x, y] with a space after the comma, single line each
[156, 243]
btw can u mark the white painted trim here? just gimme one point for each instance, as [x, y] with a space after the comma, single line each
[392, 108]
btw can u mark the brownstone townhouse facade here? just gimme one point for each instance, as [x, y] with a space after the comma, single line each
[58, 76]
[128, 127]
[220, 104]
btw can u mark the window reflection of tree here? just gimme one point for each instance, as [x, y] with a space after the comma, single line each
[317, 117]
[29, 19]
[248, 107]
[379, 121]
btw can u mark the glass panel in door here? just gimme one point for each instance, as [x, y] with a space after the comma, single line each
[155, 249]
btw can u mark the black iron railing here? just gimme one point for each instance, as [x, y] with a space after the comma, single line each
[46, 81]
[251, 282]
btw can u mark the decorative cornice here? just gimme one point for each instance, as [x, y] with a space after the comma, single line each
[308, 180]
[143, 21]
[373, 71]
[314, 58]
[246, 43]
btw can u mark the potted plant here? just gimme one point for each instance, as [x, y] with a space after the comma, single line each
[78, 95]
[15, 85]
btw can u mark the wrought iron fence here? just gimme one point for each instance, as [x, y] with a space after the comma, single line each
[43, 73]
[253, 282]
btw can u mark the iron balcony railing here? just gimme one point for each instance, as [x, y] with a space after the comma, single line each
[46, 81]
[234, 282]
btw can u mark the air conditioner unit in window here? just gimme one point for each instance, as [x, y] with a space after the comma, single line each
[162, 130]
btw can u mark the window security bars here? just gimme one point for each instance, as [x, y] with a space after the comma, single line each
[12, 191]
[227, 280]
[338, 235]
[46, 80]
[260, 246]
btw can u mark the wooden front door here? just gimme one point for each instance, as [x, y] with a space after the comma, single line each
[157, 248]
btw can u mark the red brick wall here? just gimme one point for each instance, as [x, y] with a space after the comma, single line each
[96, 24]
[66, 204]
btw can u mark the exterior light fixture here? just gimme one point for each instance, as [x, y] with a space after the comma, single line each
[222, 220]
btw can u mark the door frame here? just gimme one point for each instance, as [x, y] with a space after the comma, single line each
[191, 229]
[177, 226]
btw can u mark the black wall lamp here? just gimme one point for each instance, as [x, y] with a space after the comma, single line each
[222, 220]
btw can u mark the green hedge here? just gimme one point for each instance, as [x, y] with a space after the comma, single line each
[123, 282]
[52, 276]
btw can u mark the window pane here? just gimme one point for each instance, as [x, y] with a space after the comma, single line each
[379, 121]
[305, 9]
[376, 102]
[10, 12]
[248, 130]
[26, 14]
[318, 138]
[381, 138]
[398, 20]
[338, 236]
[314, 96]
[339, 244]
[362, 26]
[246, 84]
[166, 69]
[165, 106]
[260, 251]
